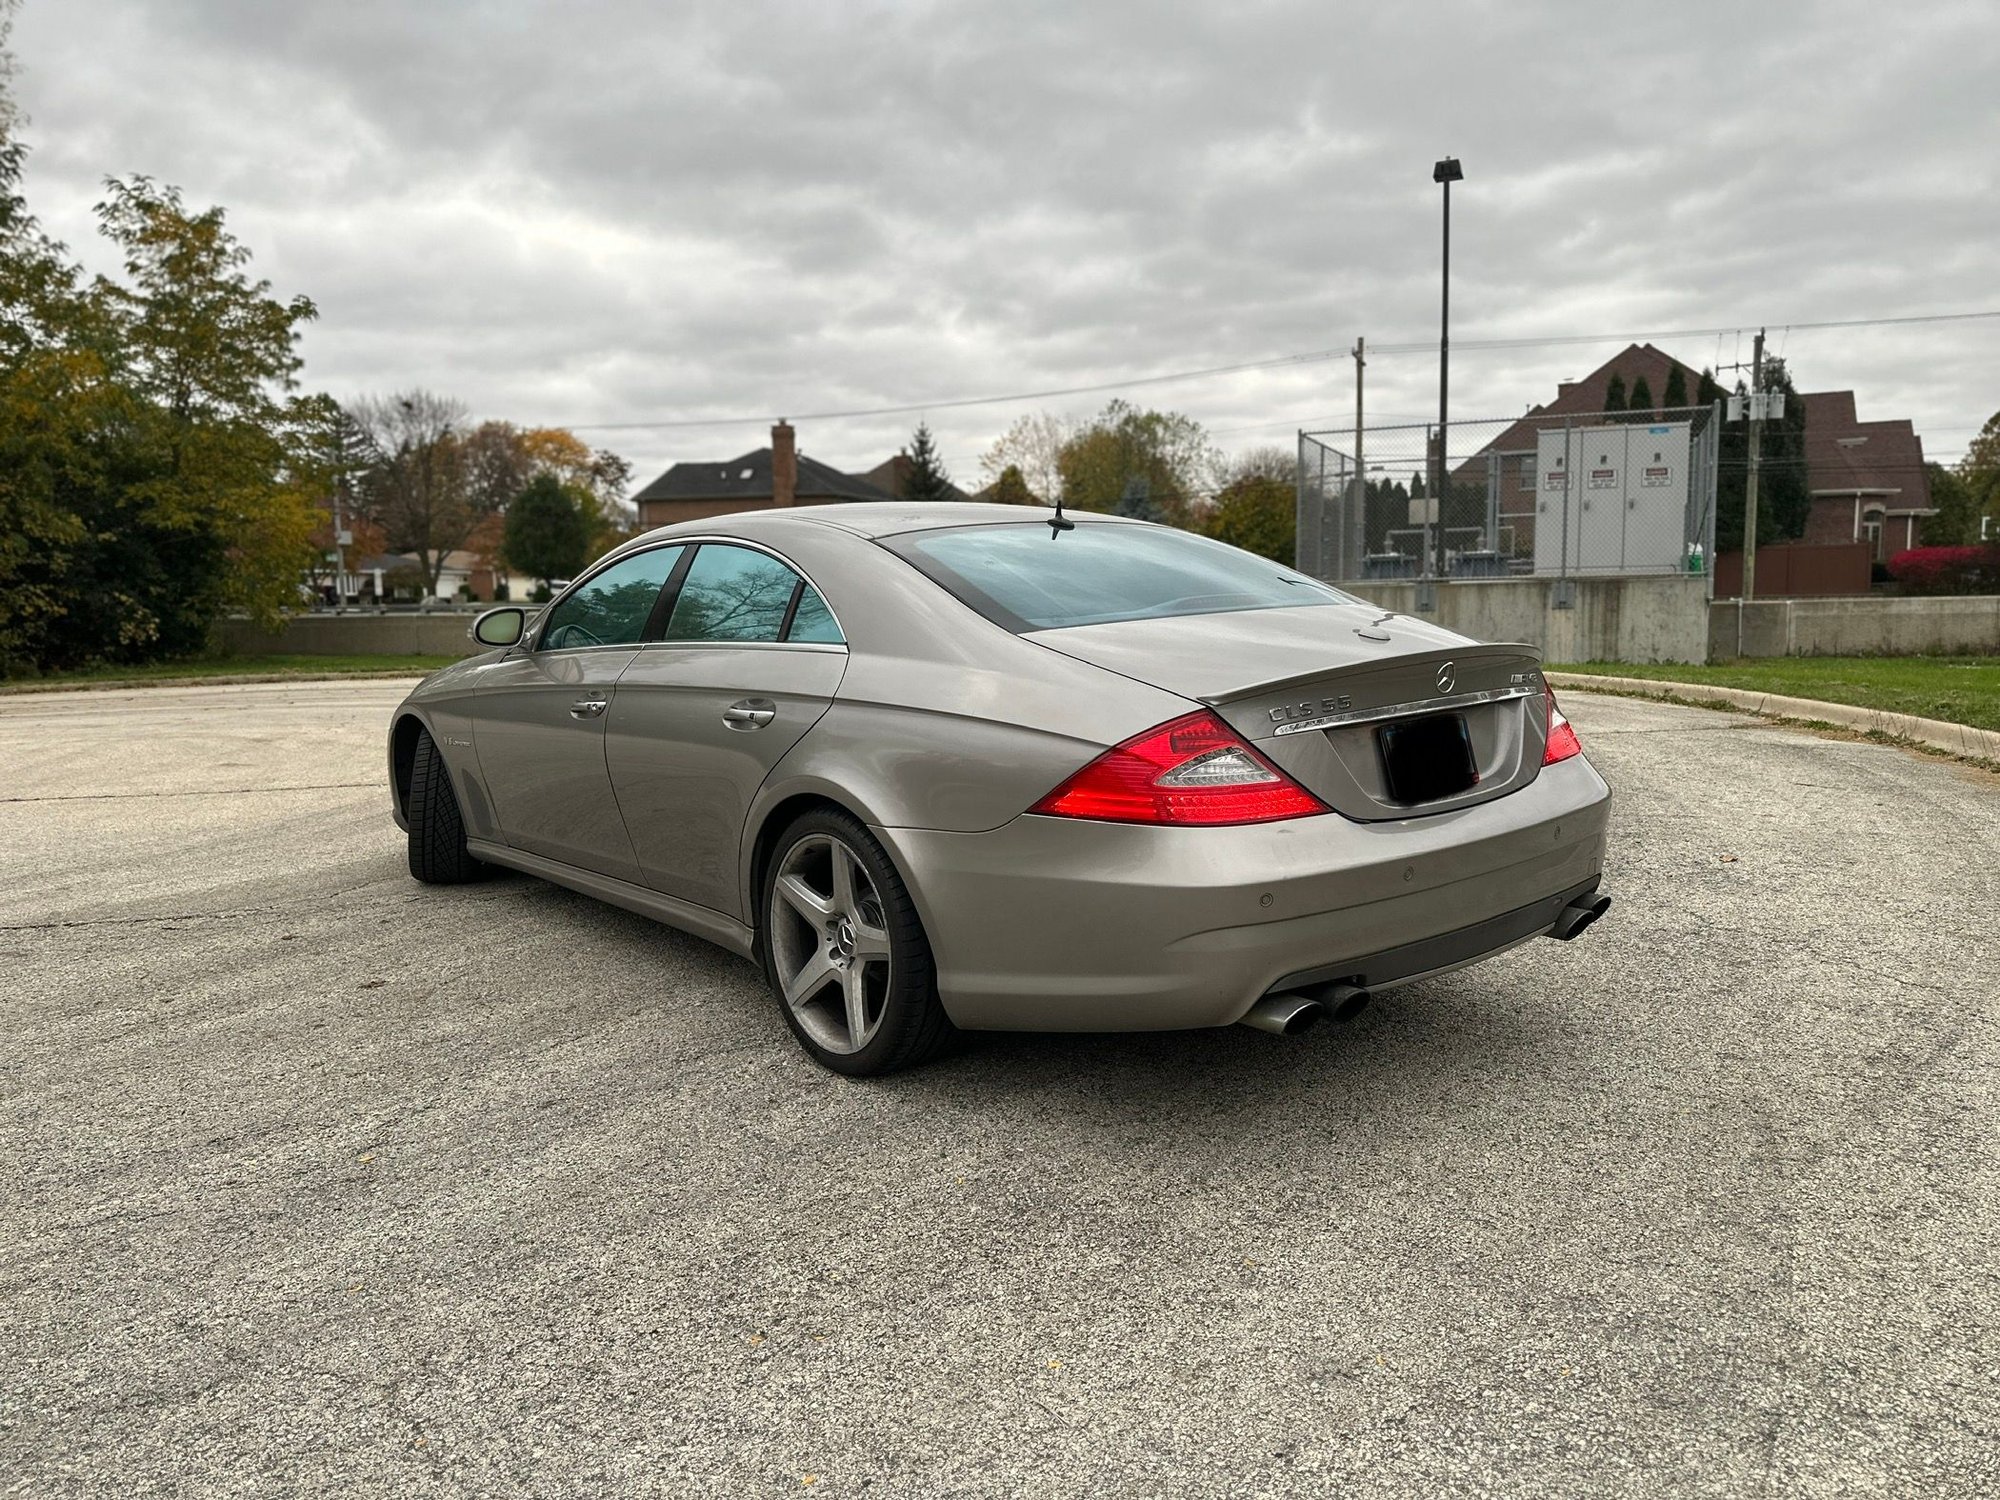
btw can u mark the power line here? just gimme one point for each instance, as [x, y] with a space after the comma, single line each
[1314, 356]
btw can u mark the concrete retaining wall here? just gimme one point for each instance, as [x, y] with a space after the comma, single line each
[1616, 619]
[1967, 625]
[351, 635]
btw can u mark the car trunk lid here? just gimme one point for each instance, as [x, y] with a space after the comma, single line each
[1314, 687]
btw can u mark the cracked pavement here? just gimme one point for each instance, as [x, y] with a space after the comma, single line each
[315, 1181]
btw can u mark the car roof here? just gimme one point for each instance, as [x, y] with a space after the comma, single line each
[878, 519]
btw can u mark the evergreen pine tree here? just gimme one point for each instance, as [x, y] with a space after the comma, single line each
[1642, 400]
[1614, 394]
[1676, 395]
[927, 481]
[1136, 503]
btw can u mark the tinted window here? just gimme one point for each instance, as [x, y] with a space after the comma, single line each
[732, 594]
[1022, 578]
[611, 609]
[814, 621]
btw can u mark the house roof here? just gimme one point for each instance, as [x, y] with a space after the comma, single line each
[892, 477]
[748, 477]
[1585, 396]
[1846, 457]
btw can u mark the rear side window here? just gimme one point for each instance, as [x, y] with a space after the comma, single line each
[1020, 577]
[732, 594]
[812, 620]
[611, 609]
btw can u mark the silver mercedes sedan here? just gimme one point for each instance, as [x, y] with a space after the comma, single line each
[951, 767]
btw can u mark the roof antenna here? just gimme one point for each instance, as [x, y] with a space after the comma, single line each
[1057, 524]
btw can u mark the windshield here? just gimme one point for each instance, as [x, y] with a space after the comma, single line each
[1017, 576]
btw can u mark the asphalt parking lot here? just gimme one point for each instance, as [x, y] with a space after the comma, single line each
[313, 1180]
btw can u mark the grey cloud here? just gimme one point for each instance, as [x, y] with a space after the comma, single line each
[618, 211]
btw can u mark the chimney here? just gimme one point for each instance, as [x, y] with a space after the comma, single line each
[784, 465]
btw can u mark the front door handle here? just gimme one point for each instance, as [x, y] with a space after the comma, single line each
[588, 708]
[751, 713]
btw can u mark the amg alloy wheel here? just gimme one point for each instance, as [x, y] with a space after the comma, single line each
[846, 952]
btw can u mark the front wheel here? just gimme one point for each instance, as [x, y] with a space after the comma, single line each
[845, 951]
[438, 855]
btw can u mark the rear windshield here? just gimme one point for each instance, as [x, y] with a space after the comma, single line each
[1024, 579]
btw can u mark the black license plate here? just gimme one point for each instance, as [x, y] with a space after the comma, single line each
[1427, 759]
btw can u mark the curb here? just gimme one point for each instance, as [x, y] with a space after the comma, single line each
[1939, 734]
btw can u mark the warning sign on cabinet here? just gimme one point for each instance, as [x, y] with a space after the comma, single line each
[1656, 477]
[1604, 479]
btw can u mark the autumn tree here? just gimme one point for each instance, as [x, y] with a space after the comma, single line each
[1033, 446]
[596, 479]
[927, 482]
[1257, 512]
[417, 491]
[1269, 461]
[1160, 459]
[157, 465]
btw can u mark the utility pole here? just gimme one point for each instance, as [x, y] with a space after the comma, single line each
[1356, 530]
[1756, 459]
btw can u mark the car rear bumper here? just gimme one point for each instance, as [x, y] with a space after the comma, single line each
[1054, 924]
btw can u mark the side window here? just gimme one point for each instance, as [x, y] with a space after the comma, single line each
[612, 608]
[732, 594]
[813, 621]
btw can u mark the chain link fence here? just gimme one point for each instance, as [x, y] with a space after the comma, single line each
[1540, 496]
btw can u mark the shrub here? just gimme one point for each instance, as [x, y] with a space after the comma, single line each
[1948, 570]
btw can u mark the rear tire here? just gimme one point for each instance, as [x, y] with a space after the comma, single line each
[437, 831]
[845, 952]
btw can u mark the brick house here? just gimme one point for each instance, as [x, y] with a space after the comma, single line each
[1867, 479]
[765, 479]
[1515, 447]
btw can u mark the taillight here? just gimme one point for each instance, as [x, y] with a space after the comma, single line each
[1562, 742]
[1192, 770]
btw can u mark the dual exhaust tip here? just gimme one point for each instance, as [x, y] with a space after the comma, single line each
[1291, 1014]
[1299, 1011]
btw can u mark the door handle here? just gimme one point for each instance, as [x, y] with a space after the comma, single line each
[588, 708]
[751, 713]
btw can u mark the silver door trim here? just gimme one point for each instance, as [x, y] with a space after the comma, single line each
[721, 539]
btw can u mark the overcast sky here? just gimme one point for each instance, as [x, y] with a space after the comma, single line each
[604, 211]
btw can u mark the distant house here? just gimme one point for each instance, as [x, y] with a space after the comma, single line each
[1867, 479]
[1515, 450]
[893, 477]
[765, 479]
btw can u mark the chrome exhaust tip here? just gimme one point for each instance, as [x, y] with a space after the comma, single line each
[1286, 1015]
[1578, 915]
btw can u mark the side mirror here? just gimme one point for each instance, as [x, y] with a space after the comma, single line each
[501, 627]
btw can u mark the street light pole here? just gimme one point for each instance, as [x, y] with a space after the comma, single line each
[1445, 173]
